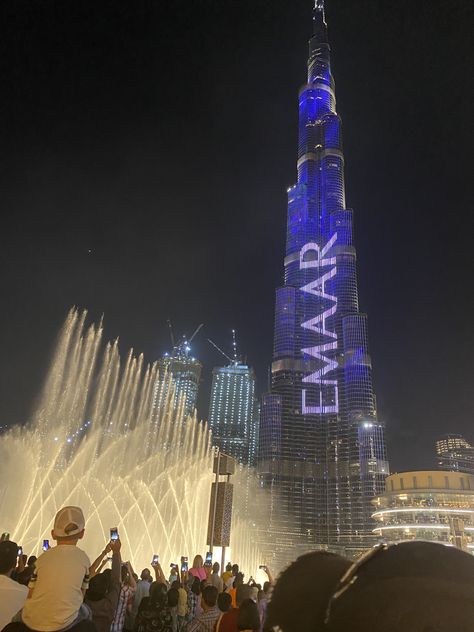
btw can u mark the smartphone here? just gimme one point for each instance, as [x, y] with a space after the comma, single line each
[20, 551]
[5, 536]
[45, 546]
[208, 561]
[155, 560]
[114, 534]
[184, 564]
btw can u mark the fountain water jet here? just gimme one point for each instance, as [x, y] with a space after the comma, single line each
[107, 437]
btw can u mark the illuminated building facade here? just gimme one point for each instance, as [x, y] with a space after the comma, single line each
[322, 447]
[427, 505]
[186, 373]
[234, 412]
[455, 454]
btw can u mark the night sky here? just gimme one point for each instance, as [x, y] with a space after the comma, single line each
[146, 151]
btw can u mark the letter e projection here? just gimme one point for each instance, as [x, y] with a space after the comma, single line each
[322, 448]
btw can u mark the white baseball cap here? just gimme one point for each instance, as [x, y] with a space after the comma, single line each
[69, 521]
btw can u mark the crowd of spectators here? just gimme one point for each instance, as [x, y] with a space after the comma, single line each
[409, 587]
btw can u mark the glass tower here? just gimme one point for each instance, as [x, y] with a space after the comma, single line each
[186, 373]
[322, 449]
[233, 412]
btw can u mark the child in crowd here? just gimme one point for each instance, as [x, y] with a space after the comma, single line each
[60, 578]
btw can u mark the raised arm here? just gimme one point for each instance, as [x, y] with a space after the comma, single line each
[269, 575]
[98, 562]
[159, 575]
[131, 578]
[115, 547]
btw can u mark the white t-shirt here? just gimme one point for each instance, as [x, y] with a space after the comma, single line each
[61, 574]
[12, 598]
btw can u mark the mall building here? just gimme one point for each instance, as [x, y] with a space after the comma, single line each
[427, 505]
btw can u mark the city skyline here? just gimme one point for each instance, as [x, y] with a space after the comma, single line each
[98, 215]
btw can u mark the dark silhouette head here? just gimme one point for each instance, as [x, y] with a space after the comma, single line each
[224, 601]
[415, 586]
[173, 596]
[99, 586]
[243, 593]
[248, 618]
[158, 594]
[8, 555]
[209, 595]
[300, 596]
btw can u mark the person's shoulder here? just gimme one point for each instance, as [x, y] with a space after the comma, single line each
[82, 555]
[65, 551]
[8, 584]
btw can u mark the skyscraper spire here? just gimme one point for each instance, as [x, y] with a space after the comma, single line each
[320, 31]
[319, 5]
[322, 446]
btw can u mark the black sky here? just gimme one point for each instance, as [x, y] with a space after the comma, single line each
[161, 135]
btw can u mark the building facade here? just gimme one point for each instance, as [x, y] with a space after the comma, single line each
[427, 505]
[186, 373]
[455, 454]
[322, 447]
[234, 412]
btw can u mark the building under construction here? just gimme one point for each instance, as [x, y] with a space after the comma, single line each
[185, 370]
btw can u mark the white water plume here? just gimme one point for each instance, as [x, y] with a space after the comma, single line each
[107, 437]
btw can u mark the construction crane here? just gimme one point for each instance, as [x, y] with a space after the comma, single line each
[235, 359]
[220, 350]
[182, 348]
[170, 327]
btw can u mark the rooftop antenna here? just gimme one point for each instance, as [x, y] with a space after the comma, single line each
[234, 346]
[220, 350]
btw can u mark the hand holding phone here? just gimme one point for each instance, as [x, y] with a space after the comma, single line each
[20, 551]
[208, 561]
[156, 560]
[184, 564]
[45, 546]
[114, 534]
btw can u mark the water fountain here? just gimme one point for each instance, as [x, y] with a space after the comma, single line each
[106, 436]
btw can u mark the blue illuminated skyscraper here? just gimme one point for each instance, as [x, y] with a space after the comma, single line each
[322, 449]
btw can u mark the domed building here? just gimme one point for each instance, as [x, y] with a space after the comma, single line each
[427, 505]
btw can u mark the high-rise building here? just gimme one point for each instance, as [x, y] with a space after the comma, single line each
[455, 454]
[186, 373]
[427, 505]
[322, 446]
[233, 412]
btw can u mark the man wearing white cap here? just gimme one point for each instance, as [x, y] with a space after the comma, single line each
[57, 587]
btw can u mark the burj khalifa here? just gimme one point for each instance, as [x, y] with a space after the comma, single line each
[322, 450]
